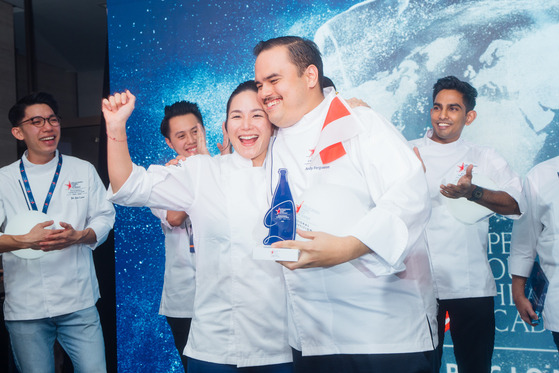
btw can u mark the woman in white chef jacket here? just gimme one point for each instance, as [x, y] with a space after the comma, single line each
[239, 307]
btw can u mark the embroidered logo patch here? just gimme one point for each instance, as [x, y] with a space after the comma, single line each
[76, 189]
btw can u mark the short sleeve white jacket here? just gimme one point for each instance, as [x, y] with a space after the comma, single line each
[459, 251]
[382, 302]
[239, 306]
[537, 232]
[61, 281]
[179, 286]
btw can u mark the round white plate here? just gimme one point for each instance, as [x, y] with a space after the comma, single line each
[469, 212]
[22, 223]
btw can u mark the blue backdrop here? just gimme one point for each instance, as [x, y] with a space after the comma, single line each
[388, 53]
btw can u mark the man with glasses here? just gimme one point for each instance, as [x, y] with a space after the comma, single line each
[51, 291]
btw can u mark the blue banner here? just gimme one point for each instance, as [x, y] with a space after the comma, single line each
[388, 53]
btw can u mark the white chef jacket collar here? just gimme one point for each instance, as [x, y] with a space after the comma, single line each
[313, 115]
[243, 162]
[455, 144]
[27, 164]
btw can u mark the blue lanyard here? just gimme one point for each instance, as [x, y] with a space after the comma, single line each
[190, 237]
[52, 185]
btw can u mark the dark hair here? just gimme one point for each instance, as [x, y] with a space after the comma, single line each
[249, 85]
[17, 112]
[327, 82]
[302, 53]
[177, 109]
[468, 92]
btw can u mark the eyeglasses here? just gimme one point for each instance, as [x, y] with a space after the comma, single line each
[40, 121]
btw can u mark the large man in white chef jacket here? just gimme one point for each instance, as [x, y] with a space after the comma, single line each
[458, 240]
[535, 233]
[51, 296]
[361, 294]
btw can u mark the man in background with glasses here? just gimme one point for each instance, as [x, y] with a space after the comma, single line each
[51, 290]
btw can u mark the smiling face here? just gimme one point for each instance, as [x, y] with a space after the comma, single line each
[286, 94]
[41, 141]
[248, 127]
[449, 116]
[183, 130]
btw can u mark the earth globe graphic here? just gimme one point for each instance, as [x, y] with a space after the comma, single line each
[390, 53]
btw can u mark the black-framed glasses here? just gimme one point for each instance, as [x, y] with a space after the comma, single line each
[40, 121]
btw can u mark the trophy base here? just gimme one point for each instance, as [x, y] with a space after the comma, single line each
[274, 253]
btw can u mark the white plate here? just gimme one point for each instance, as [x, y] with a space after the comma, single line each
[469, 212]
[22, 223]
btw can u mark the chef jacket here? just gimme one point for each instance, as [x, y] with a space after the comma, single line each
[179, 286]
[459, 251]
[61, 281]
[351, 173]
[537, 232]
[239, 306]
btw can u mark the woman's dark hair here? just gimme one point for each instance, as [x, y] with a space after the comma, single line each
[249, 85]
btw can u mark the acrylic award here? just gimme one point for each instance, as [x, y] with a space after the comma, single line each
[536, 290]
[281, 223]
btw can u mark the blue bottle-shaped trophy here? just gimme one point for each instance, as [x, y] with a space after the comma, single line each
[280, 219]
